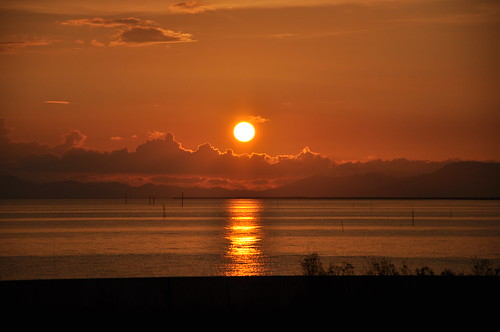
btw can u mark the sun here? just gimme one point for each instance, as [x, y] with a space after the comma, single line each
[244, 131]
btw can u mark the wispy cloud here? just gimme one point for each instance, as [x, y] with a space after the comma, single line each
[62, 102]
[156, 134]
[132, 31]
[12, 46]
[149, 35]
[258, 119]
[108, 23]
[96, 43]
[191, 7]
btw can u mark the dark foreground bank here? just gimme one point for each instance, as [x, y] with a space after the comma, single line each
[252, 294]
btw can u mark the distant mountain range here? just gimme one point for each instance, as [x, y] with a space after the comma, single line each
[455, 180]
[460, 179]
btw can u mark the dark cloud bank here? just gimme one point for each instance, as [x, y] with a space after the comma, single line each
[162, 167]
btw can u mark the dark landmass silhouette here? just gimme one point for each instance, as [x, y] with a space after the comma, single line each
[460, 180]
[454, 180]
[270, 295]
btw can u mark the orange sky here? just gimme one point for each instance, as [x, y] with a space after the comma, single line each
[357, 81]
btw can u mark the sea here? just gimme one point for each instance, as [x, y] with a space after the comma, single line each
[179, 237]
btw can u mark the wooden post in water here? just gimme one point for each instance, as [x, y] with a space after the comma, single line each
[413, 217]
[164, 211]
[342, 224]
[182, 199]
[126, 201]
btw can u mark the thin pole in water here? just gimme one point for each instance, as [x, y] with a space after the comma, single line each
[164, 211]
[182, 199]
[342, 224]
[413, 217]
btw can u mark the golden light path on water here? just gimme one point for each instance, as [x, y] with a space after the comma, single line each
[244, 233]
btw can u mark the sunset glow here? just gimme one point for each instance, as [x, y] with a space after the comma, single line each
[199, 139]
[139, 93]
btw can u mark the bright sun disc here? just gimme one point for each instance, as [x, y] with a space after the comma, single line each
[244, 131]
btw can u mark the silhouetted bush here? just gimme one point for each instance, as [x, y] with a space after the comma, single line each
[424, 271]
[313, 266]
[482, 267]
[448, 272]
[404, 270]
[384, 267]
[346, 269]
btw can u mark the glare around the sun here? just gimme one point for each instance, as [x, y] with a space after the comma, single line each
[244, 132]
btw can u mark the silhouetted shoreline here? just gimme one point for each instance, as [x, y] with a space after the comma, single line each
[249, 294]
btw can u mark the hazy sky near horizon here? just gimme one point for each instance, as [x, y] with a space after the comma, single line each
[350, 80]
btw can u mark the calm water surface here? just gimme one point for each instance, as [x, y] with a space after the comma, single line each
[215, 237]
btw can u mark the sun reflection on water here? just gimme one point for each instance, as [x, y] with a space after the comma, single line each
[244, 233]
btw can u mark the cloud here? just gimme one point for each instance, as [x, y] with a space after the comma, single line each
[191, 7]
[132, 31]
[162, 160]
[285, 35]
[12, 46]
[11, 153]
[60, 102]
[160, 156]
[96, 43]
[149, 35]
[73, 139]
[258, 119]
[156, 134]
[108, 23]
